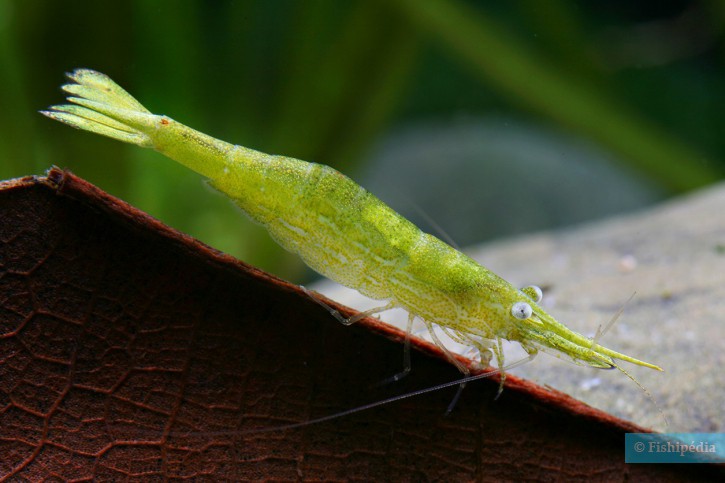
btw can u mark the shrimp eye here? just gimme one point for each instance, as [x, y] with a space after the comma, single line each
[521, 310]
[534, 292]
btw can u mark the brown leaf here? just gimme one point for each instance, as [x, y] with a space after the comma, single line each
[129, 350]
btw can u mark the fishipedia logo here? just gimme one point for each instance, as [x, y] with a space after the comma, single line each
[674, 448]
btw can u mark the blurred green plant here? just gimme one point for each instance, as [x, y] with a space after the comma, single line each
[322, 80]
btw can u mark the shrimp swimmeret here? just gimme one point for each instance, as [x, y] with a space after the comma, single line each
[345, 233]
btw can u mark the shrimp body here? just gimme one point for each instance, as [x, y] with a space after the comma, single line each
[341, 230]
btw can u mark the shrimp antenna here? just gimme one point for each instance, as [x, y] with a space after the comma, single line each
[645, 390]
[393, 399]
[358, 409]
[601, 331]
[433, 224]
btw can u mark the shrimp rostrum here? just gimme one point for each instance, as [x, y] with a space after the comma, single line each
[343, 232]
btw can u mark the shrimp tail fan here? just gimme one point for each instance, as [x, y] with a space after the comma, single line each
[99, 105]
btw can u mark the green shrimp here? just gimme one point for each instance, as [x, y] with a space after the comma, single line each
[344, 233]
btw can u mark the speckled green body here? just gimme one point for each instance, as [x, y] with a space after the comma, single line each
[339, 229]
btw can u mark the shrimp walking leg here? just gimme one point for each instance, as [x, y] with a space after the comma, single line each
[407, 367]
[449, 355]
[347, 320]
[498, 349]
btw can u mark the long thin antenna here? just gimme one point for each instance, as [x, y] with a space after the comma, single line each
[646, 391]
[358, 409]
[387, 401]
[428, 219]
[601, 331]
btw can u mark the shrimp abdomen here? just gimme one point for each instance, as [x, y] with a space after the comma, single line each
[338, 228]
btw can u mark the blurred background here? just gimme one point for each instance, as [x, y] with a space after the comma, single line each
[484, 118]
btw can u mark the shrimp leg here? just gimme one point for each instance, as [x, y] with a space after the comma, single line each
[338, 316]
